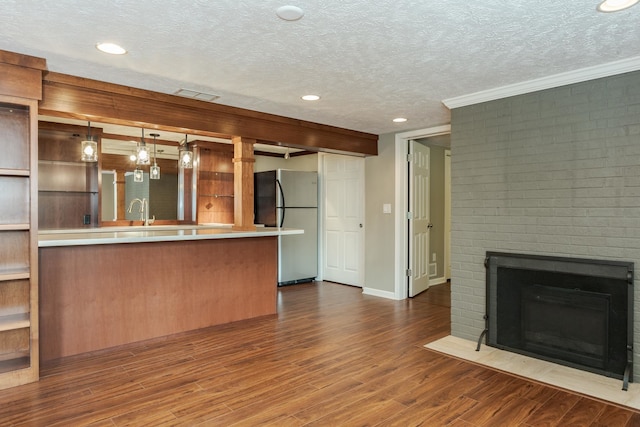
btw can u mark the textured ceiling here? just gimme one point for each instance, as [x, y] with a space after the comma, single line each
[370, 61]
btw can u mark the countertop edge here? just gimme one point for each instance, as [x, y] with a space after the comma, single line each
[150, 236]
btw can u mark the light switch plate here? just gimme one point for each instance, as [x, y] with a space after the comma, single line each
[386, 208]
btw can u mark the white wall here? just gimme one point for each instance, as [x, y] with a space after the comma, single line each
[379, 227]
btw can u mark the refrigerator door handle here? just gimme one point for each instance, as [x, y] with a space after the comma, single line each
[283, 207]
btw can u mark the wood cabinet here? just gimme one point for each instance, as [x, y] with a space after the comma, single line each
[20, 84]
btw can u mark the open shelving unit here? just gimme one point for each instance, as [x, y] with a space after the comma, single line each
[20, 89]
[215, 187]
[68, 189]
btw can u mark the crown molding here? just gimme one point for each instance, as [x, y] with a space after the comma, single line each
[548, 82]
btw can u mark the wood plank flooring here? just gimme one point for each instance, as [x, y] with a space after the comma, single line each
[331, 357]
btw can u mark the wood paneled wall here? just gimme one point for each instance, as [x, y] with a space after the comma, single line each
[95, 297]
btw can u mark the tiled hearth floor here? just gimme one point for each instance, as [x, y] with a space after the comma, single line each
[587, 383]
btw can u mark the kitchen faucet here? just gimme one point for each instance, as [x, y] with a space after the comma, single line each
[144, 210]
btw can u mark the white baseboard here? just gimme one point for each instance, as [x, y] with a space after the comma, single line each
[437, 281]
[378, 293]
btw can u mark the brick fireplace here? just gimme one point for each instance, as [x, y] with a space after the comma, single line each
[550, 173]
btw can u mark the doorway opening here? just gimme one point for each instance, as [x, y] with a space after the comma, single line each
[404, 256]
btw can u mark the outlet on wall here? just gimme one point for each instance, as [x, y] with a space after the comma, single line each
[433, 257]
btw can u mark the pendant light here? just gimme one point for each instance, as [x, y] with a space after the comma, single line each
[154, 171]
[142, 153]
[138, 175]
[185, 155]
[89, 147]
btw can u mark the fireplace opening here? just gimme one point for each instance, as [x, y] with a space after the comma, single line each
[575, 312]
[568, 323]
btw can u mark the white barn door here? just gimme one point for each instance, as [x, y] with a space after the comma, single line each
[418, 217]
[343, 218]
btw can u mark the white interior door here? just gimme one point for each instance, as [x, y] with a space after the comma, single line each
[343, 219]
[418, 217]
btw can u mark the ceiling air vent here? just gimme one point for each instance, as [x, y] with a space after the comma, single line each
[207, 97]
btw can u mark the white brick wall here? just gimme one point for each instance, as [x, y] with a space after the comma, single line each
[555, 172]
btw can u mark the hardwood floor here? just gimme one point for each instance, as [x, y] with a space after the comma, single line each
[331, 357]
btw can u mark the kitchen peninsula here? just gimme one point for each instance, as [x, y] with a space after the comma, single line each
[106, 287]
[98, 289]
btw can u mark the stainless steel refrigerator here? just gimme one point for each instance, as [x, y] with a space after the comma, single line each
[289, 199]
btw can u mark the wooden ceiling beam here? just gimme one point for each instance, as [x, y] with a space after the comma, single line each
[80, 98]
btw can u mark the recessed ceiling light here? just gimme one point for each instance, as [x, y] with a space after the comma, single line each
[310, 97]
[399, 120]
[111, 48]
[615, 5]
[289, 13]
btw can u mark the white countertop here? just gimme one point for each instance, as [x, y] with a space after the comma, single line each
[158, 233]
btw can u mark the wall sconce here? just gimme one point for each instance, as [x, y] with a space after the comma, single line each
[154, 171]
[142, 153]
[185, 155]
[138, 175]
[89, 147]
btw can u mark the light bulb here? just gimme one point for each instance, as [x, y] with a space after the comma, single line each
[88, 150]
[142, 155]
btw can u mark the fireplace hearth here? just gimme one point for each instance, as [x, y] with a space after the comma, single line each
[571, 311]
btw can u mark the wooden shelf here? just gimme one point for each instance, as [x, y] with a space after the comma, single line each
[78, 163]
[14, 227]
[14, 321]
[15, 172]
[17, 274]
[68, 191]
[19, 95]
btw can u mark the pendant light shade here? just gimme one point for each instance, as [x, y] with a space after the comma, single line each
[138, 175]
[154, 171]
[185, 155]
[142, 152]
[89, 147]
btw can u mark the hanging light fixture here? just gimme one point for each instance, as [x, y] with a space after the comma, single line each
[154, 171]
[287, 155]
[89, 147]
[185, 155]
[142, 153]
[138, 175]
